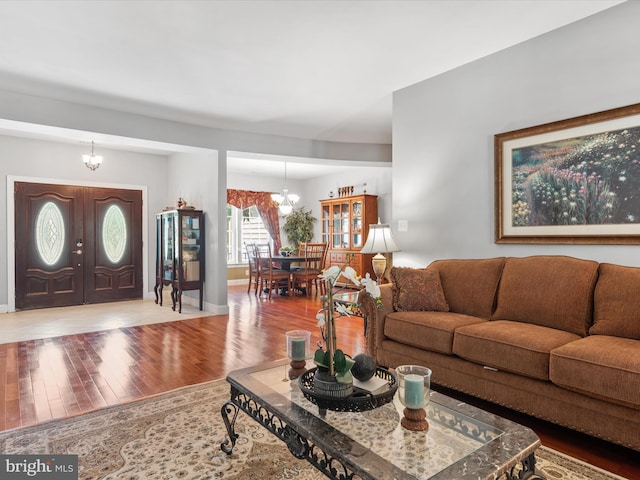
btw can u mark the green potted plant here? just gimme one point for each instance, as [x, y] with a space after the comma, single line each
[299, 227]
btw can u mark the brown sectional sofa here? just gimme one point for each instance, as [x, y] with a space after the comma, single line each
[551, 336]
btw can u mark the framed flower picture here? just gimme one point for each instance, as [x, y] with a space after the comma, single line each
[572, 181]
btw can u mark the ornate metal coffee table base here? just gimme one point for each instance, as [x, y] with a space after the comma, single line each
[303, 448]
[527, 472]
[299, 446]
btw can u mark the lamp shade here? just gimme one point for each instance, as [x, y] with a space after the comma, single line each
[379, 240]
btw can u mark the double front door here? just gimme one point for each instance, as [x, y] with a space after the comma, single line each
[76, 245]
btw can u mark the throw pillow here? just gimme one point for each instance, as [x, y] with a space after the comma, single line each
[548, 290]
[616, 302]
[417, 290]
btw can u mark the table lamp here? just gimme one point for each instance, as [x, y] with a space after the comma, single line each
[379, 241]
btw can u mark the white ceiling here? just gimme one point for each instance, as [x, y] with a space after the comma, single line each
[321, 70]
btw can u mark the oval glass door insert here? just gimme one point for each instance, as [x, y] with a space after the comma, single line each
[50, 233]
[114, 233]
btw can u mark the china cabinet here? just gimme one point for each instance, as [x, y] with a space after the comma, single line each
[179, 254]
[344, 227]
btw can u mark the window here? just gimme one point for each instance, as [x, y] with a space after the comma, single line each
[243, 226]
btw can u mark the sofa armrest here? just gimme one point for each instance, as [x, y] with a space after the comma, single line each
[375, 315]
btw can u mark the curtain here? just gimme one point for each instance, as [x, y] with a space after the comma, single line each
[266, 206]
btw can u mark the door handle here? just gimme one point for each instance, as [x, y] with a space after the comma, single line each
[78, 252]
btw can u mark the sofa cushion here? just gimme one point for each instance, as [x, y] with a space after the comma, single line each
[551, 291]
[600, 366]
[515, 347]
[428, 330]
[417, 289]
[470, 285]
[616, 303]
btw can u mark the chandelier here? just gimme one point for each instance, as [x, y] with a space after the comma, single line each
[286, 200]
[92, 161]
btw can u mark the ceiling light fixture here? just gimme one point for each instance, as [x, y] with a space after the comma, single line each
[286, 200]
[92, 161]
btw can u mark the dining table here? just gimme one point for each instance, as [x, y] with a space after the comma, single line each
[285, 264]
[286, 261]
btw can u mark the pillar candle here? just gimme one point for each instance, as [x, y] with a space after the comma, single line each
[413, 391]
[298, 348]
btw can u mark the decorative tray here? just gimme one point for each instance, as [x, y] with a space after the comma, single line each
[359, 401]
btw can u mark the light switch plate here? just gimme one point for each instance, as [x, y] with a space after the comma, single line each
[403, 225]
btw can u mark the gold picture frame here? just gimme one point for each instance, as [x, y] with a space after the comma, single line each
[575, 181]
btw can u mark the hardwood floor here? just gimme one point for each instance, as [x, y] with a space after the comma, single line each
[57, 377]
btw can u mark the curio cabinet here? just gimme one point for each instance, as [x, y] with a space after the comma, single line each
[344, 226]
[179, 254]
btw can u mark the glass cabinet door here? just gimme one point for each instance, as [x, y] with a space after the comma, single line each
[168, 246]
[191, 248]
[344, 225]
[325, 218]
[337, 226]
[356, 225]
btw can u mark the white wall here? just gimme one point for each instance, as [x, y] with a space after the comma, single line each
[443, 131]
[259, 183]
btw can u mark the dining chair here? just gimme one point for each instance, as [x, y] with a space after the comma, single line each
[300, 252]
[254, 273]
[309, 275]
[270, 277]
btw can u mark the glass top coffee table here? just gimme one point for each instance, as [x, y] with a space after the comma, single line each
[462, 442]
[349, 298]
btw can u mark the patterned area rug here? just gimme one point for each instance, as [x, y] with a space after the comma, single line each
[177, 435]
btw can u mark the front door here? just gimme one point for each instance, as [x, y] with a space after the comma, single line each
[76, 245]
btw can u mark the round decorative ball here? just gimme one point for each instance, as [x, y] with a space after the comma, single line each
[364, 367]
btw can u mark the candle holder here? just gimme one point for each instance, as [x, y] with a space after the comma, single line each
[298, 343]
[414, 385]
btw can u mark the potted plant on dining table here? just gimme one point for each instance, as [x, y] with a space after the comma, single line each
[286, 251]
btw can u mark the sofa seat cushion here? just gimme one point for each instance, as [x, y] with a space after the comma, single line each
[550, 291]
[514, 347]
[616, 310]
[600, 366]
[428, 330]
[470, 285]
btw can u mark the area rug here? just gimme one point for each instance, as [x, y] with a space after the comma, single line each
[177, 435]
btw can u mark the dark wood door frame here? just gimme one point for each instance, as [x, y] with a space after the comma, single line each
[10, 228]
